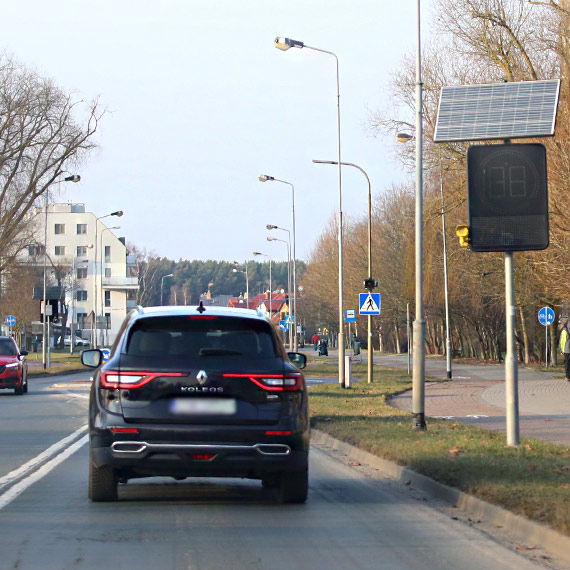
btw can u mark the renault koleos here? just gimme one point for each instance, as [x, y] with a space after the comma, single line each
[198, 391]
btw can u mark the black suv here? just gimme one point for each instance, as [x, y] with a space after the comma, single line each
[198, 392]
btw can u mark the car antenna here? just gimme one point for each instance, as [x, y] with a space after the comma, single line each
[201, 307]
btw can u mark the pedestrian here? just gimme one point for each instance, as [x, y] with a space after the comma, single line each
[564, 345]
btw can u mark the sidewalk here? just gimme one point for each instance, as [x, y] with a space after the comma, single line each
[476, 395]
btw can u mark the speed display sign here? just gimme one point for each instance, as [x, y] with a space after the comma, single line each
[508, 198]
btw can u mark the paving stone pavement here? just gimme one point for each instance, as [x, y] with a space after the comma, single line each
[476, 395]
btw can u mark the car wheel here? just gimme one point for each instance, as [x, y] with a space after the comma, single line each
[294, 487]
[102, 483]
[25, 383]
[19, 390]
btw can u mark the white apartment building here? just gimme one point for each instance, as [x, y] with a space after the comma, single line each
[102, 281]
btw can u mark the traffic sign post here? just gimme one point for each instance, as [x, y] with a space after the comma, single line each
[10, 321]
[546, 318]
[350, 315]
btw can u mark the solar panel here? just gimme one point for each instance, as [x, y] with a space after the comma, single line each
[497, 111]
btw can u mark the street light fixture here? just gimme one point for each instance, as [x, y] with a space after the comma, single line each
[45, 340]
[236, 270]
[256, 253]
[369, 281]
[291, 331]
[162, 284]
[118, 214]
[285, 44]
[266, 178]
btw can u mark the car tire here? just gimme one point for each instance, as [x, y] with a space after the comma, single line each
[294, 487]
[271, 482]
[102, 483]
[19, 390]
[25, 383]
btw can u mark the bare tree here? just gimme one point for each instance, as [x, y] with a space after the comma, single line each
[40, 136]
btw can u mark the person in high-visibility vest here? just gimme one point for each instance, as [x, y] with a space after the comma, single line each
[564, 344]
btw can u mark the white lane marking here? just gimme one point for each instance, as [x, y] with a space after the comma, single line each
[33, 463]
[24, 484]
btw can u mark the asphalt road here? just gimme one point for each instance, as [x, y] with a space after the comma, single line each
[355, 517]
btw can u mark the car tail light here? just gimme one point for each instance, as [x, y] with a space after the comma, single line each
[113, 380]
[273, 382]
[202, 456]
[278, 432]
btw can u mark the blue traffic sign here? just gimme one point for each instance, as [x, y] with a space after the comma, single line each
[10, 320]
[283, 325]
[369, 304]
[106, 353]
[546, 316]
[350, 315]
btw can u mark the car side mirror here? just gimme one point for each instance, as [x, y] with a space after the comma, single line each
[92, 358]
[24, 353]
[298, 359]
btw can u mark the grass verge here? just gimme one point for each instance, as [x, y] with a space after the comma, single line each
[532, 480]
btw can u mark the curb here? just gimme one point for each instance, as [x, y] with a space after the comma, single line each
[519, 527]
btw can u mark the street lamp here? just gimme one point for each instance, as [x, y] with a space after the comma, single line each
[284, 44]
[291, 332]
[256, 253]
[162, 285]
[266, 178]
[102, 296]
[236, 270]
[370, 283]
[404, 138]
[118, 214]
[45, 340]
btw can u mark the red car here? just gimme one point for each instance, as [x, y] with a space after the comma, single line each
[13, 366]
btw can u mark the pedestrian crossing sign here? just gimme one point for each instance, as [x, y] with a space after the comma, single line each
[369, 304]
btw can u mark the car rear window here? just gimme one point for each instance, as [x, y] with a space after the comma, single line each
[201, 337]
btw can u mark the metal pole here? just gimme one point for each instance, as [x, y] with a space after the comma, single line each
[511, 360]
[445, 279]
[408, 333]
[418, 379]
[44, 322]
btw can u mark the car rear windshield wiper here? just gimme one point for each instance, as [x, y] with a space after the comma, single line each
[218, 351]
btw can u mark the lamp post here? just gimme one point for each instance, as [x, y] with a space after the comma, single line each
[403, 138]
[291, 334]
[162, 284]
[369, 282]
[118, 214]
[236, 270]
[266, 178]
[102, 296]
[256, 253]
[419, 325]
[45, 340]
[74, 267]
[284, 44]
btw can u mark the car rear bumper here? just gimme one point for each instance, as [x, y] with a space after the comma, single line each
[199, 453]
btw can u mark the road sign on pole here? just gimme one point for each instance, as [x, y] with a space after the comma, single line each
[369, 304]
[546, 318]
[350, 315]
[10, 320]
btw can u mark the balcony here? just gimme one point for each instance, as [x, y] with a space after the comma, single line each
[121, 283]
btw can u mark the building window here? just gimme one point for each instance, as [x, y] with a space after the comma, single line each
[107, 298]
[60, 250]
[107, 272]
[81, 320]
[81, 251]
[81, 295]
[81, 229]
[82, 273]
[35, 250]
[59, 228]
[107, 254]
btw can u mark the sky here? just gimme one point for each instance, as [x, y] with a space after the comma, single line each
[200, 103]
